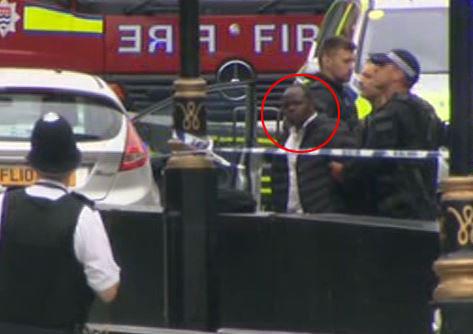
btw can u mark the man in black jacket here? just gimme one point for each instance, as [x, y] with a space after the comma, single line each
[356, 182]
[302, 183]
[336, 59]
[404, 121]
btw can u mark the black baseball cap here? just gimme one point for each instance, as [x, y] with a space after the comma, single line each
[53, 146]
[403, 59]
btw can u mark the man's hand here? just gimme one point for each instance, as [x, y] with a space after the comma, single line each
[336, 170]
[108, 295]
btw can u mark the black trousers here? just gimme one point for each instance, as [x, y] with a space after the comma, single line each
[26, 329]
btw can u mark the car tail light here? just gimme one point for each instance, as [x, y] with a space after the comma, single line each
[118, 90]
[136, 154]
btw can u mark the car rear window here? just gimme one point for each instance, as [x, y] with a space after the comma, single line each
[91, 118]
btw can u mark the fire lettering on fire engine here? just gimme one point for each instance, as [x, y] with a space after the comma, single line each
[131, 38]
[285, 38]
[264, 34]
[160, 38]
[302, 37]
[260, 38]
[208, 37]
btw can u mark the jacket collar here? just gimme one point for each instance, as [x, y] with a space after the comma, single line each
[335, 85]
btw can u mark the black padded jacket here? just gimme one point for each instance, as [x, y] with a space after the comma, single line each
[318, 192]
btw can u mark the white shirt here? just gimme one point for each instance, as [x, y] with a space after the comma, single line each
[294, 142]
[91, 243]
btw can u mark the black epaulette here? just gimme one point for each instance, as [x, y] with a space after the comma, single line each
[415, 102]
[84, 199]
[403, 97]
[411, 98]
[11, 188]
[412, 102]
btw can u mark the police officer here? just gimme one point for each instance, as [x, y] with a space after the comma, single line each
[336, 59]
[403, 121]
[415, 124]
[54, 251]
[352, 173]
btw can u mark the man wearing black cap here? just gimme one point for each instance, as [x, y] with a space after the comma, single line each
[54, 251]
[404, 122]
[416, 125]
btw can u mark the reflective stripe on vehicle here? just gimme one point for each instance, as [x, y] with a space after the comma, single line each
[40, 19]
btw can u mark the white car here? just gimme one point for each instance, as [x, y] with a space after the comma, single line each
[115, 168]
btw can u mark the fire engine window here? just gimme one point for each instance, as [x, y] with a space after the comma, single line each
[348, 27]
[291, 6]
[103, 6]
[57, 3]
[207, 7]
[332, 21]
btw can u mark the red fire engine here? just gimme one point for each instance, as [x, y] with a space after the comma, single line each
[135, 42]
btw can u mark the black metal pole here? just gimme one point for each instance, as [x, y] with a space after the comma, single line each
[191, 245]
[454, 292]
[189, 42]
[189, 113]
[191, 232]
[461, 86]
[251, 118]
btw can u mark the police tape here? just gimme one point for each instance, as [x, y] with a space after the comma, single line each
[222, 156]
[342, 152]
[207, 146]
